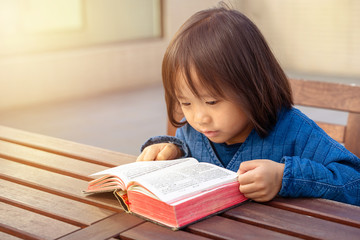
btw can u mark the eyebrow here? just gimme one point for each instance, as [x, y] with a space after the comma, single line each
[180, 97]
[202, 96]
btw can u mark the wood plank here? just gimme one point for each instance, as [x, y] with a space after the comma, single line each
[55, 183]
[352, 135]
[149, 231]
[5, 236]
[298, 225]
[17, 232]
[337, 96]
[321, 208]
[107, 228]
[223, 228]
[337, 132]
[33, 224]
[49, 161]
[60, 208]
[65, 148]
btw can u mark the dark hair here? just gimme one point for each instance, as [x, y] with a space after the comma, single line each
[232, 60]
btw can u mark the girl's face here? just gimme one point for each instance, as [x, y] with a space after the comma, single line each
[221, 121]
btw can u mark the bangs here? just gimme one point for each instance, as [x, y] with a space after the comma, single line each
[195, 81]
[190, 58]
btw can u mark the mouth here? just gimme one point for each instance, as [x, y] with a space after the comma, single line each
[210, 134]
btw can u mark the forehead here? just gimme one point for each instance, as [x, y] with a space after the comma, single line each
[191, 85]
[184, 83]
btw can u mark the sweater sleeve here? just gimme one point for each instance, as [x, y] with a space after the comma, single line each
[168, 139]
[306, 178]
[322, 169]
[315, 164]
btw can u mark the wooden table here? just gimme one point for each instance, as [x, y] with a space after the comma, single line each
[42, 179]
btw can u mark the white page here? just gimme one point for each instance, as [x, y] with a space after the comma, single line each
[180, 181]
[131, 171]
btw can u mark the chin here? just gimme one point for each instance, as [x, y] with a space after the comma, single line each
[217, 140]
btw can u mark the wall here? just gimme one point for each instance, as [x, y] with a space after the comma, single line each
[38, 78]
[317, 39]
[82, 72]
[57, 76]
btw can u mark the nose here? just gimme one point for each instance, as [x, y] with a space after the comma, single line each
[201, 117]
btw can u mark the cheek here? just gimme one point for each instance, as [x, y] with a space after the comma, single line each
[187, 115]
[235, 119]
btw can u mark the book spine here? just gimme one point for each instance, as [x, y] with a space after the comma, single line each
[123, 199]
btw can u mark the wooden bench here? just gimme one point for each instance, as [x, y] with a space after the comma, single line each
[333, 96]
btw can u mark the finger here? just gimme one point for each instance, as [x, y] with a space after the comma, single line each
[247, 188]
[148, 154]
[250, 192]
[248, 165]
[246, 178]
[140, 157]
[258, 197]
[167, 153]
[257, 194]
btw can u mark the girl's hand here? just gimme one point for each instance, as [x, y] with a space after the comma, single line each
[160, 151]
[260, 180]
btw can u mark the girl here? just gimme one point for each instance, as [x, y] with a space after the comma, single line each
[220, 73]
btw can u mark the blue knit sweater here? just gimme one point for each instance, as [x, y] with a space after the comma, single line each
[315, 164]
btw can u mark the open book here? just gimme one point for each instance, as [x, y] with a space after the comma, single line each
[173, 193]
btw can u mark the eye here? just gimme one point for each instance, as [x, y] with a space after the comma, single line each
[185, 104]
[211, 102]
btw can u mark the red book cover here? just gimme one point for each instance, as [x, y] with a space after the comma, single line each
[172, 193]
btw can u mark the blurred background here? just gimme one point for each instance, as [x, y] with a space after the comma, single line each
[90, 70]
